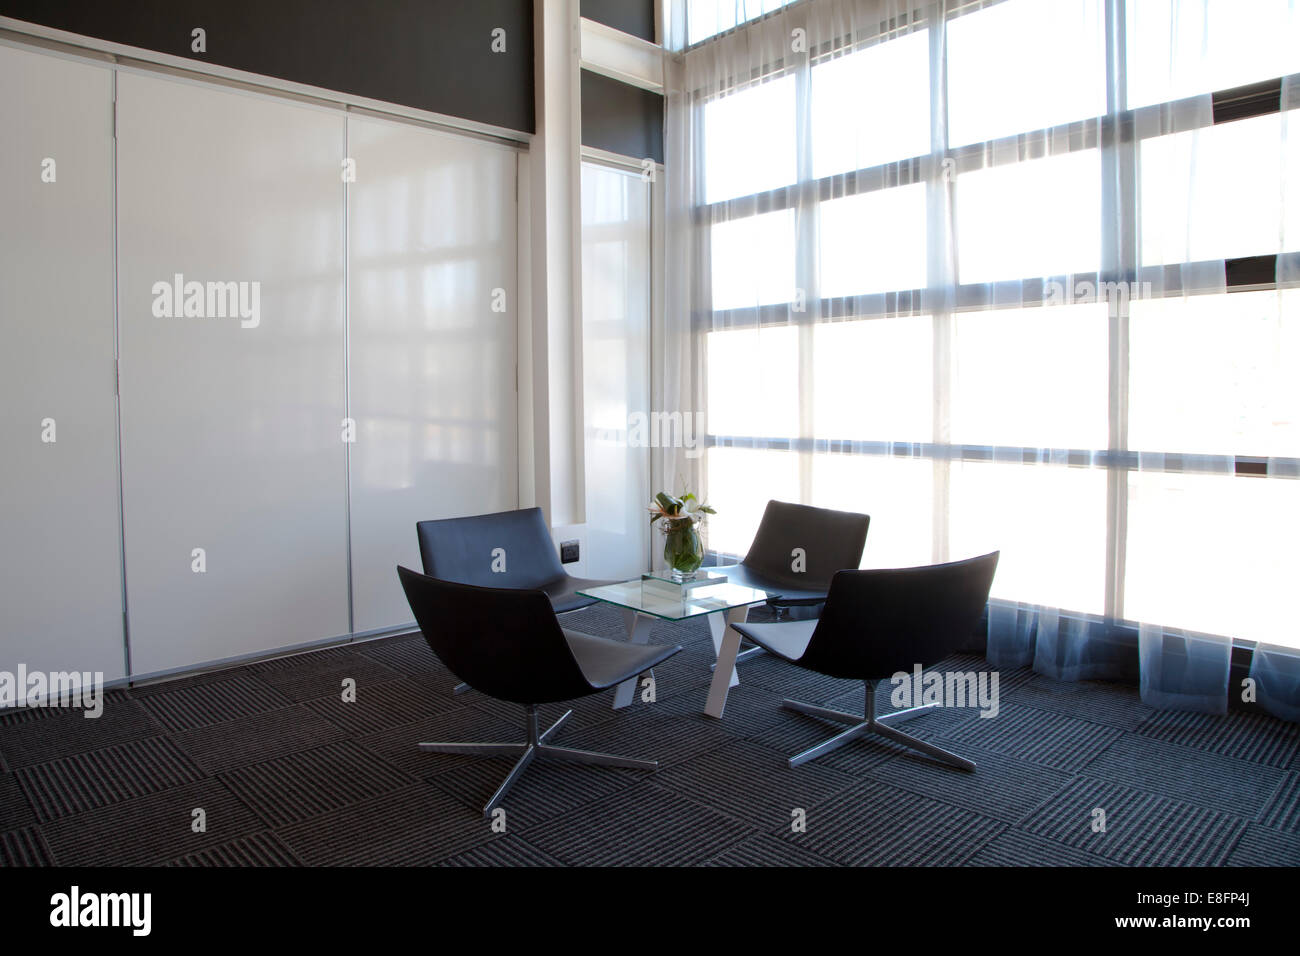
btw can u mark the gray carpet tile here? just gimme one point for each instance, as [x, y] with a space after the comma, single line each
[214, 702]
[1052, 740]
[1142, 829]
[116, 699]
[603, 620]
[1261, 846]
[753, 784]
[322, 659]
[794, 733]
[651, 735]
[696, 657]
[323, 673]
[1102, 702]
[685, 669]
[587, 711]
[98, 778]
[677, 677]
[61, 733]
[388, 704]
[253, 739]
[113, 697]
[257, 849]
[508, 851]
[692, 633]
[1255, 737]
[1010, 679]
[690, 683]
[1282, 811]
[25, 847]
[304, 784]
[414, 826]
[645, 825]
[934, 719]
[1200, 777]
[1017, 848]
[399, 745]
[547, 789]
[767, 850]
[408, 654]
[13, 716]
[151, 830]
[321, 781]
[1004, 788]
[167, 685]
[753, 708]
[788, 680]
[15, 810]
[875, 824]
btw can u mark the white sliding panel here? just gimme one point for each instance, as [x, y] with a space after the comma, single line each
[232, 426]
[60, 553]
[616, 369]
[432, 319]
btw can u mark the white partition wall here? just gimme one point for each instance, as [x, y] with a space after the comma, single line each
[232, 431]
[616, 369]
[248, 342]
[432, 338]
[60, 555]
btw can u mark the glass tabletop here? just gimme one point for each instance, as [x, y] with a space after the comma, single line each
[665, 600]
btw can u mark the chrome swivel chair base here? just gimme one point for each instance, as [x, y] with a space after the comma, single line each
[870, 724]
[537, 745]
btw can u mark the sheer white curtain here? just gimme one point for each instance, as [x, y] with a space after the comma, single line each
[1275, 666]
[962, 266]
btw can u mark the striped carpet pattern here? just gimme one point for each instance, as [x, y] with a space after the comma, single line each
[1135, 828]
[273, 764]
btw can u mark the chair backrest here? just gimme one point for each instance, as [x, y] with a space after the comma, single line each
[879, 622]
[831, 541]
[504, 642]
[476, 549]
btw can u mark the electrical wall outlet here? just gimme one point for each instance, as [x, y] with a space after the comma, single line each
[568, 551]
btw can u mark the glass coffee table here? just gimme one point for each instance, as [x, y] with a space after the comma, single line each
[654, 597]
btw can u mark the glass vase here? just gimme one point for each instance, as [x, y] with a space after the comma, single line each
[683, 548]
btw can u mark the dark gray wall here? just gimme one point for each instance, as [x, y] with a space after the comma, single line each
[621, 118]
[428, 54]
[636, 17]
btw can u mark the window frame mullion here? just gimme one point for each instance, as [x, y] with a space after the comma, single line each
[807, 284]
[1118, 263]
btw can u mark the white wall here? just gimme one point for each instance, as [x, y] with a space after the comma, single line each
[231, 435]
[616, 367]
[432, 320]
[60, 557]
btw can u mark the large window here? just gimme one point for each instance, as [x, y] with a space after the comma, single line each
[883, 335]
[706, 18]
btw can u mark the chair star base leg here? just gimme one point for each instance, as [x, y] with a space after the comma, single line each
[930, 750]
[517, 771]
[595, 757]
[826, 746]
[554, 728]
[813, 710]
[475, 749]
[536, 746]
[863, 725]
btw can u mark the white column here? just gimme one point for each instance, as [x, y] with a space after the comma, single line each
[556, 364]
